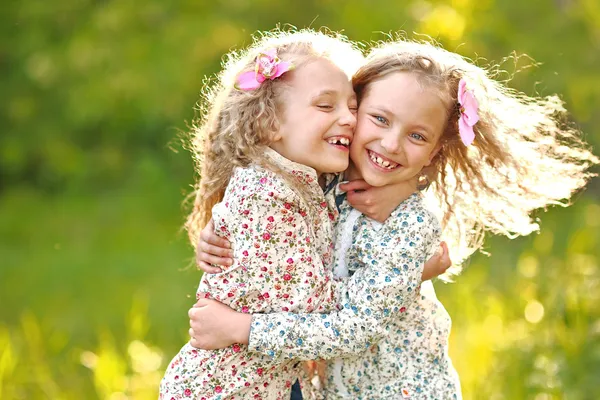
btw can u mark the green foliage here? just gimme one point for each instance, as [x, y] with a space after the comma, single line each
[94, 277]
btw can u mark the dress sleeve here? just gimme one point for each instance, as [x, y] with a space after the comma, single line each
[386, 285]
[275, 265]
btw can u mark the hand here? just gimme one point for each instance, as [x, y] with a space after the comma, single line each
[212, 249]
[213, 325]
[437, 264]
[377, 202]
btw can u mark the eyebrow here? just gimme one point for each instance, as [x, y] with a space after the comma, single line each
[385, 110]
[330, 92]
[326, 92]
[425, 128]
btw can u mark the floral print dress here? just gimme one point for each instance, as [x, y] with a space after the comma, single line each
[391, 335]
[282, 248]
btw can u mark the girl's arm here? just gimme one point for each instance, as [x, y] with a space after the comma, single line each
[376, 203]
[385, 287]
[272, 257]
[212, 251]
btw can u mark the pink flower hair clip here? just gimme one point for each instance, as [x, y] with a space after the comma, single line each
[268, 66]
[468, 109]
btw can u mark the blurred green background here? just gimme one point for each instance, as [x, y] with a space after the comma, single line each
[96, 274]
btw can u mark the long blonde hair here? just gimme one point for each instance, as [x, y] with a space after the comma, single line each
[525, 155]
[236, 126]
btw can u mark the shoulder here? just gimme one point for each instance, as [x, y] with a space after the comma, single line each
[256, 184]
[411, 216]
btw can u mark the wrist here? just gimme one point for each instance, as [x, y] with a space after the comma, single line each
[241, 328]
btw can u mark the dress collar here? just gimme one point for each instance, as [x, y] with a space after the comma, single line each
[304, 174]
[412, 201]
[415, 199]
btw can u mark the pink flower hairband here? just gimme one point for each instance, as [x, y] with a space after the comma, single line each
[468, 109]
[268, 66]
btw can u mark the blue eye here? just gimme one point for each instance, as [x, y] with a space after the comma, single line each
[417, 136]
[381, 119]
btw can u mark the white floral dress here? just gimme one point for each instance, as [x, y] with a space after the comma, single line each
[282, 250]
[391, 334]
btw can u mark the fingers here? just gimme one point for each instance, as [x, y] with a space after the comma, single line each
[444, 247]
[209, 236]
[441, 259]
[207, 254]
[445, 256]
[207, 268]
[193, 312]
[359, 198]
[358, 184]
[200, 297]
[214, 250]
[209, 258]
[194, 342]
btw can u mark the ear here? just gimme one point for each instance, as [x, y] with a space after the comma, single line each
[434, 153]
[276, 135]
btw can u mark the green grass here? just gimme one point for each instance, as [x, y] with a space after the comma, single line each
[95, 289]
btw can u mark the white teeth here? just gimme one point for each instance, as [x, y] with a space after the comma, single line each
[382, 163]
[342, 141]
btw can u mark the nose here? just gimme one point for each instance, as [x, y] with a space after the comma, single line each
[392, 143]
[348, 118]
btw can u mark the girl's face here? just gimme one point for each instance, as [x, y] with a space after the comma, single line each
[400, 122]
[319, 117]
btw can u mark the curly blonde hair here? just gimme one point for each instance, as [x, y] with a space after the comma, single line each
[525, 155]
[235, 126]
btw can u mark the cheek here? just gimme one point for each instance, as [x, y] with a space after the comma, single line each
[419, 155]
[358, 141]
[364, 132]
[320, 122]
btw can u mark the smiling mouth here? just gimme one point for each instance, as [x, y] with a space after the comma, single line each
[382, 162]
[340, 142]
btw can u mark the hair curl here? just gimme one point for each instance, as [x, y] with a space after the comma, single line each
[236, 126]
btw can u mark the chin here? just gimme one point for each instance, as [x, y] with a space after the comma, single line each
[376, 182]
[374, 179]
[335, 168]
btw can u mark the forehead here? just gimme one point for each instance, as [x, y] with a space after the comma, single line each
[404, 95]
[319, 75]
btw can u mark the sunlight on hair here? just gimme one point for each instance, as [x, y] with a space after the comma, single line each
[236, 126]
[525, 155]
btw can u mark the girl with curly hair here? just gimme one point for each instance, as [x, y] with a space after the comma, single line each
[497, 155]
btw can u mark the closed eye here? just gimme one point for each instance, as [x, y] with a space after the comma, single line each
[324, 106]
